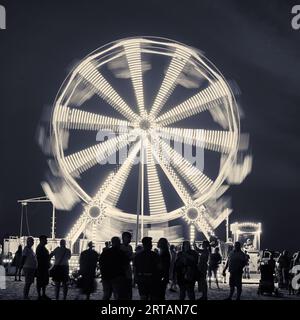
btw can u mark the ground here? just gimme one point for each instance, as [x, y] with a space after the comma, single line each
[14, 290]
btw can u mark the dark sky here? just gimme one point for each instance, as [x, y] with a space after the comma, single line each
[251, 42]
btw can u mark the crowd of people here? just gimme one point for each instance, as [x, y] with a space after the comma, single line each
[153, 271]
[37, 265]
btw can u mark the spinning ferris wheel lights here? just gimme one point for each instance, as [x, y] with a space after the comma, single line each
[145, 128]
[172, 176]
[113, 192]
[157, 201]
[76, 119]
[102, 87]
[133, 55]
[214, 140]
[83, 160]
[191, 174]
[200, 102]
[169, 83]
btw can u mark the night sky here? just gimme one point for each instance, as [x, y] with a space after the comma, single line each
[251, 42]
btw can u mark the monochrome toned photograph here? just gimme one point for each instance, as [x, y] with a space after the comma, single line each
[149, 155]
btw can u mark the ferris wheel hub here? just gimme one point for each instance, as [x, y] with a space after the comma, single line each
[94, 212]
[145, 124]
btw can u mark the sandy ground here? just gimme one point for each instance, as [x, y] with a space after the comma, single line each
[14, 291]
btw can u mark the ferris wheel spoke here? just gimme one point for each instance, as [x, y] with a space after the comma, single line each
[72, 118]
[203, 225]
[133, 55]
[202, 101]
[169, 82]
[171, 175]
[214, 140]
[83, 160]
[113, 191]
[103, 88]
[195, 178]
[156, 198]
[78, 228]
[84, 219]
[103, 187]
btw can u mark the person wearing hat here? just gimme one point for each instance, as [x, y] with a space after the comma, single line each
[42, 274]
[147, 271]
[87, 269]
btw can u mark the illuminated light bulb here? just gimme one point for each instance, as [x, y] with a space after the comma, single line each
[192, 233]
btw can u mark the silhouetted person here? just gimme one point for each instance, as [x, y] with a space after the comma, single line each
[137, 250]
[204, 254]
[172, 276]
[283, 268]
[17, 263]
[235, 263]
[247, 266]
[42, 275]
[29, 264]
[87, 269]
[164, 266]
[60, 271]
[127, 249]
[113, 266]
[106, 245]
[214, 262]
[186, 271]
[147, 271]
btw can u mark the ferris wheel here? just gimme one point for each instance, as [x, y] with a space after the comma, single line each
[153, 94]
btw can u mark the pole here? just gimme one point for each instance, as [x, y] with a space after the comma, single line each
[138, 204]
[258, 237]
[227, 228]
[53, 222]
[22, 213]
[142, 190]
